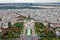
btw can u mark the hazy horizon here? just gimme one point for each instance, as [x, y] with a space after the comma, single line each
[27, 1]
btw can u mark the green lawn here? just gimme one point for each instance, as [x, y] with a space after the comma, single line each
[29, 32]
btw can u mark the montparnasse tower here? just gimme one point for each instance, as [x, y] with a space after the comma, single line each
[28, 16]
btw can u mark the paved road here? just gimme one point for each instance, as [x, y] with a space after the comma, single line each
[29, 38]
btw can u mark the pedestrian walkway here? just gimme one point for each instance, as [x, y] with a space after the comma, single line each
[29, 25]
[29, 38]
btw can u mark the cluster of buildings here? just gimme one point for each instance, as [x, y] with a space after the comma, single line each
[4, 23]
[51, 15]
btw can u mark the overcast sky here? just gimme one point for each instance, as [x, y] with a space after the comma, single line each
[8, 1]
